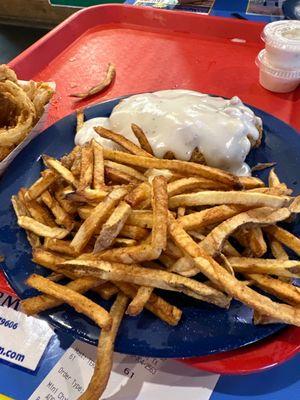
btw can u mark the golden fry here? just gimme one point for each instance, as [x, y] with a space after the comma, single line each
[96, 219]
[142, 138]
[122, 141]
[42, 184]
[86, 167]
[288, 239]
[37, 304]
[39, 229]
[250, 265]
[214, 241]
[107, 80]
[182, 167]
[137, 304]
[76, 300]
[147, 277]
[211, 198]
[105, 351]
[112, 227]
[98, 173]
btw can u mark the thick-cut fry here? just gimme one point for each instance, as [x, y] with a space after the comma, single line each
[122, 141]
[47, 259]
[127, 170]
[68, 206]
[35, 305]
[137, 304]
[257, 244]
[98, 173]
[60, 246]
[211, 198]
[141, 218]
[79, 119]
[144, 252]
[68, 159]
[20, 211]
[287, 268]
[139, 194]
[61, 216]
[284, 291]
[39, 229]
[284, 237]
[57, 166]
[277, 249]
[107, 290]
[190, 184]
[149, 277]
[105, 351]
[260, 319]
[86, 167]
[81, 303]
[39, 212]
[117, 176]
[213, 243]
[158, 306]
[142, 138]
[124, 242]
[250, 182]
[42, 184]
[180, 212]
[86, 195]
[295, 205]
[107, 80]
[219, 276]
[134, 232]
[273, 179]
[113, 226]
[159, 202]
[210, 216]
[183, 167]
[96, 219]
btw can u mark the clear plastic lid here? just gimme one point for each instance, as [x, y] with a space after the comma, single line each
[284, 73]
[283, 34]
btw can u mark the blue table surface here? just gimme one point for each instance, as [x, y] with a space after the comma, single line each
[279, 383]
[226, 8]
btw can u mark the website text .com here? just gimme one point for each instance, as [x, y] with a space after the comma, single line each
[11, 355]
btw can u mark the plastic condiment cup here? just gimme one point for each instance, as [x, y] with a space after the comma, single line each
[282, 39]
[276, 79]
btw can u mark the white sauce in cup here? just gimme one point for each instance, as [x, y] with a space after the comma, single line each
[179, 121]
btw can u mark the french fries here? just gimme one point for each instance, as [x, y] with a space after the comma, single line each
[144, 276]
[35, 305]
[248, 199]
[286, 268]
[106, 82]
[81, 304]
[142, 138]
[126, 224]
[113, 226]
[97, 217]
[105, 351]
[122, 141]
[213, 243]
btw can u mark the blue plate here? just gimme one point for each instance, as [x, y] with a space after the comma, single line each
[291, 9]
[204, 329]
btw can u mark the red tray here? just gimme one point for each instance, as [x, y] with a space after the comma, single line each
[158, 49]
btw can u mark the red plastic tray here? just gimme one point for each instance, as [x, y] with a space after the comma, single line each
[157, 49]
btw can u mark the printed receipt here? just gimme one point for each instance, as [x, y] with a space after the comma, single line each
[132, 378]
[23, 339]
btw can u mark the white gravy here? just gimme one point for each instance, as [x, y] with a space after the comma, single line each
[179, 121]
